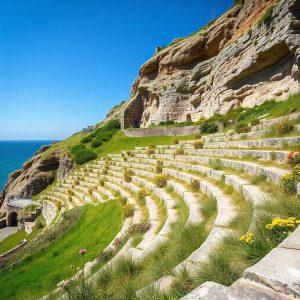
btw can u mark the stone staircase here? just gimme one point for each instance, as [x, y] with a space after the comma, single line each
[192, 173]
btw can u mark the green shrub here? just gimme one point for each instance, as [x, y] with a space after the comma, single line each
[160, 180]
[150, 152]
[273, 156]
[128, 210]
[178, 151]
[151, 146]
[158, 169]
[127, 174]
[284, 127]
[86, 139]
[167, 123]
[198, 145]
[255, 122]
[175, 142]
[106, 255]
[113, 124]
[101, 182]
[287, 184]
[195, 185]
[122, 200]
[82, 155]
[139, 228]
[242, 128]
[96, 143]
[208, 128]
[142, 193]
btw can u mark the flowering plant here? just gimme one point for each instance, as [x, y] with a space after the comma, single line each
[283, 227]
[293, 159]
[247, 238]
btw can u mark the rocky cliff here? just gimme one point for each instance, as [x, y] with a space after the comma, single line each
[35, 175]
[249, 55]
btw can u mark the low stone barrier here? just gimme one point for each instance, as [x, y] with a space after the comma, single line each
[167, 131]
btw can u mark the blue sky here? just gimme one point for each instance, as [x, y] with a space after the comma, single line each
[65, 63]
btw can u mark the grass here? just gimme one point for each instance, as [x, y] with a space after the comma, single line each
[40, 274]
[12, 241]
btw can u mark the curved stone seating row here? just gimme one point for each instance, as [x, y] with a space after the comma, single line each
[258, 143]
[227, 136]
[271, 173]
[225, 214]
[217, 234]
[250, 192]
[266, 123]
[276, 276]
[279, 156]
[189, 198]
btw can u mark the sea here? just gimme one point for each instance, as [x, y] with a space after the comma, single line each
[14, 153]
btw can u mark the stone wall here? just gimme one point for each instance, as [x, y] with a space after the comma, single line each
[168, 131]
[237, 61]
[48, 212]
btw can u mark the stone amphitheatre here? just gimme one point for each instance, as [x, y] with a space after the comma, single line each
[188, 190]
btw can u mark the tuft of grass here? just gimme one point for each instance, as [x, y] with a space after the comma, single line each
[160, 180]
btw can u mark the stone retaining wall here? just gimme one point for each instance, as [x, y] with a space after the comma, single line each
[167, 131]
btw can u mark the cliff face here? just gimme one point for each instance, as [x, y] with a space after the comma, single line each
[243, 59]
[36, 174]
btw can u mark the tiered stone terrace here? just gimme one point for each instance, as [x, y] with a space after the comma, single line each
[222, 158]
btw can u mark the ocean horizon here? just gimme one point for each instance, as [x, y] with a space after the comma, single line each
[13, 154]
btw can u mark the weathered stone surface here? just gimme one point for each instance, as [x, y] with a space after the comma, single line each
[35, 175]
[223, 66]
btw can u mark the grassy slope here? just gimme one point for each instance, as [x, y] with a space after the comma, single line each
[12, 241]
[40, 274]
[121, 142]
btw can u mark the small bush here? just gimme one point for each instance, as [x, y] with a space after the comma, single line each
[158, 169]
[86, 139]
[139, 228]
[82, 155]
[195, 185]
[178, 151]
[101, 182]
[242, 128]
[293, 159]
[96, 143]
[167, 123]
[105, 256]
[159, 162]
[175, 142]
[273, 156]
[216, 164]
[208, 128]
[128, 210]
[151, 146]
[284, 127]
[150, 151]
[160, 180]
[142, 193]
[198, 145]
[127, 175]
[255, 122]
[287, 184]
[113, 124]
[122, 200]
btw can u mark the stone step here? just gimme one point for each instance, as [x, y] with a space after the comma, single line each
[250, 192]
[276, 276]
[272, 174]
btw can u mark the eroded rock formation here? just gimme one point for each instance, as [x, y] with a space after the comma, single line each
[36, 174]
[243, 59]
